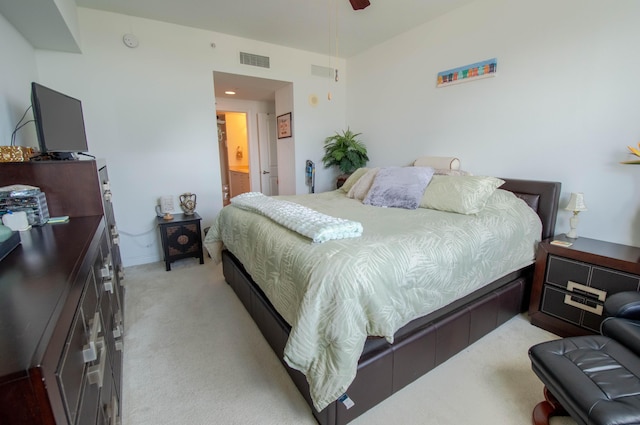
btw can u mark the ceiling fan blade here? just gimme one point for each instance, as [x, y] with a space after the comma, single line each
[359, 4]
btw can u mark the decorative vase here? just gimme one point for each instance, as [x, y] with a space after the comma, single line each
[188, 203]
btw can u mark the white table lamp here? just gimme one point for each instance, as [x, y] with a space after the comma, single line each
[576, 204]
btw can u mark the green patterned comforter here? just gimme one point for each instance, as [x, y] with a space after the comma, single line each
[406, 264]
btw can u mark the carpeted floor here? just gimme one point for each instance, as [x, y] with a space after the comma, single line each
[194, 357]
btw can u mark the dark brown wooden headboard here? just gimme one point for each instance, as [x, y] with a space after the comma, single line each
[542, 196]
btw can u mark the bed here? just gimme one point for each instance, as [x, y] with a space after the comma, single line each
[388, 356]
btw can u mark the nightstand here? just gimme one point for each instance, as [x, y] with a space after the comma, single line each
[181, 238]
[570, 284]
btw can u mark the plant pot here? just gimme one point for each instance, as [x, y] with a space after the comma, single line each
[341, 179]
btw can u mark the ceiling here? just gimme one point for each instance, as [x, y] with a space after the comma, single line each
[308, 25]
[246, 88]
[329, 27]
[301, 24]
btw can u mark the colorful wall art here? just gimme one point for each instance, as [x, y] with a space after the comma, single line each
[475, 71]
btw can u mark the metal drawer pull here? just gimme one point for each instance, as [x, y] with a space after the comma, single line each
[595, 310]
[115, 236]
[602, 295]
[89, 352]
[118, 320]
[572, 286]
[105, 271]
[107, 266]
[113, 411]
[118, 331]
[108, 285]
[95, 374]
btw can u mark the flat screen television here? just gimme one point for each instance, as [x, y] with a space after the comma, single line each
[59, 123]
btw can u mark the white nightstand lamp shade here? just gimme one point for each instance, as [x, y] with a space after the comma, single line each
[576, 204]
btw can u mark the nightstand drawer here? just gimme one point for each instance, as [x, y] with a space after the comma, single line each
[561, 270]
[570, 307]
[613, 281]
[553, 304]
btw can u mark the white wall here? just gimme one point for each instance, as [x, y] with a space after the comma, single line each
[556, 110]
[150, 112]
[563, 106]
[286, 146]
[18, 71]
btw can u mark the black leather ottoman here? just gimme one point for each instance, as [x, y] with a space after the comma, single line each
[594, 379]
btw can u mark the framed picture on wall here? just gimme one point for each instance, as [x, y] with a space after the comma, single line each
[462, 74]
[284, 125]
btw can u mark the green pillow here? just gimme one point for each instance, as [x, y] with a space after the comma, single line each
[459, 194]
[353, 178]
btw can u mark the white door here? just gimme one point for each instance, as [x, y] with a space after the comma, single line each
[267, 142]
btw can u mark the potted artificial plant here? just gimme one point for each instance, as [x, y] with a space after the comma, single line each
[345, 151]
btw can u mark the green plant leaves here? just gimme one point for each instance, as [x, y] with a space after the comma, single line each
[345, 151]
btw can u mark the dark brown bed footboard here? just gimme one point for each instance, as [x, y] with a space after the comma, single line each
[422, 344]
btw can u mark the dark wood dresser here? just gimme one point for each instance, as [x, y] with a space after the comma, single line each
[61, 303]
[570, 284]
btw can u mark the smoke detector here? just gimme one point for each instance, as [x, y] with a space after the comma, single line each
[130, 40]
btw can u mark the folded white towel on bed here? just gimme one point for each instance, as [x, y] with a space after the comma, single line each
[315, 225]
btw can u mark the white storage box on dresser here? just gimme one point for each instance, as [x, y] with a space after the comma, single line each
[62, 303]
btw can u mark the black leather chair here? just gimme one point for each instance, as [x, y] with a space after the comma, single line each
[595, 379]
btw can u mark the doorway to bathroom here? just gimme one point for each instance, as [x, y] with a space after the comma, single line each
[233, 145]
[247, 140]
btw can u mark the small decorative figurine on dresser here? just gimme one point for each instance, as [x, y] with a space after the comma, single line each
[188, 203]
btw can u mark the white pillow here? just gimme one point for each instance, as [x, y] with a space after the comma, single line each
[360, 189]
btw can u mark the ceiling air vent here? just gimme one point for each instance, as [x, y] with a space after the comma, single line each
[321, 71]
[254, 60]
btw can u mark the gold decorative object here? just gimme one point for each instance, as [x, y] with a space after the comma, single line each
[636, 152]
[188, 203]
[15, 153]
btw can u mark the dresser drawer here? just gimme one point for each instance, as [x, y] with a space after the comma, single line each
[71, 372]
[88, 411]
[80, 349]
